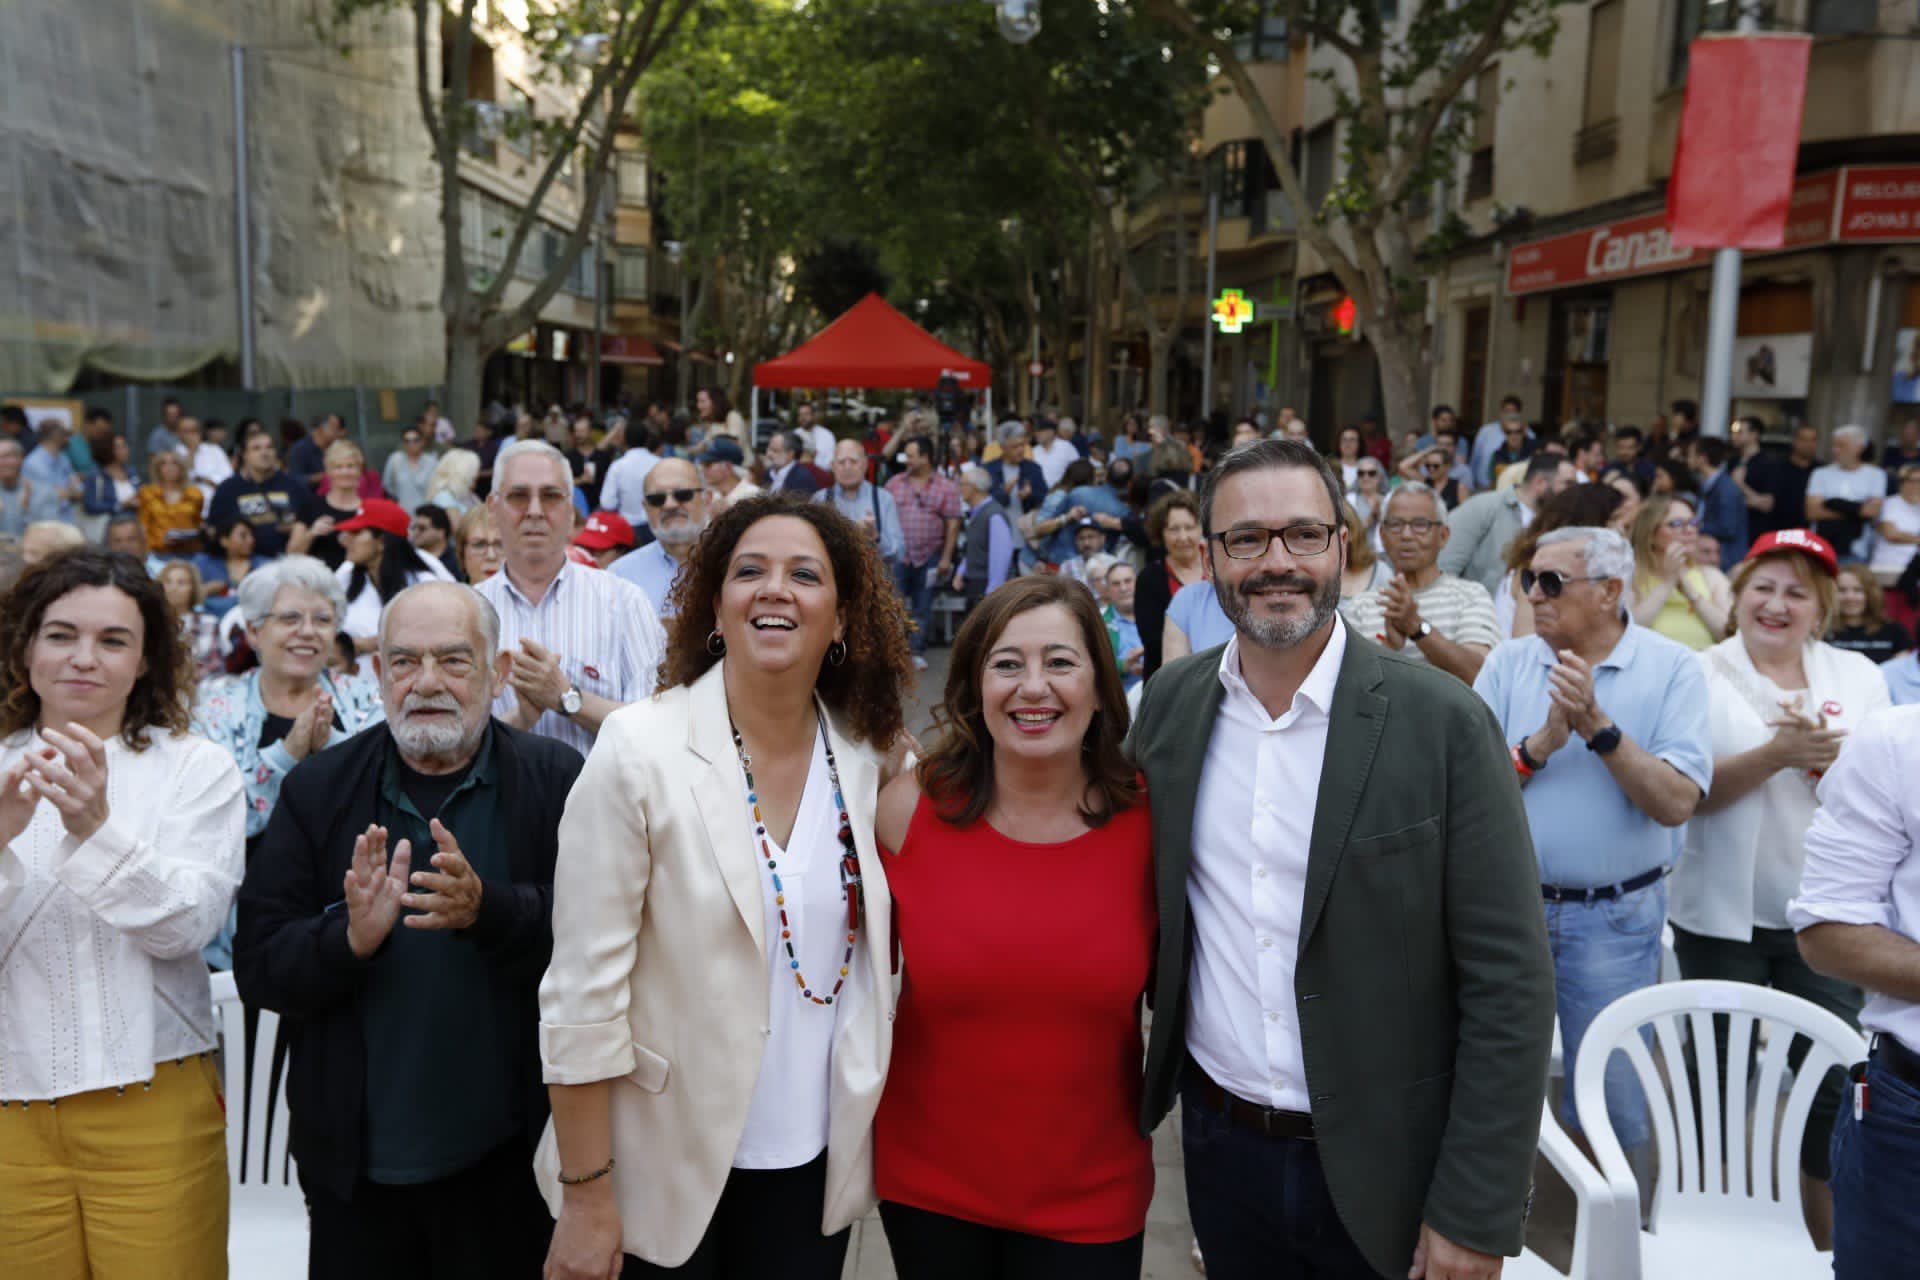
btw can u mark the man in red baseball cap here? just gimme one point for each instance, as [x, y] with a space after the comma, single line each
[606, 537]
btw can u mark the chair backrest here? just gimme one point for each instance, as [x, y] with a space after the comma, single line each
[257, 1116]
[1694, 1146]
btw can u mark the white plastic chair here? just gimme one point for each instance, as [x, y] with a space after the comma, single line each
[1720, 1207]
[267, 1227]
[1599, 1230]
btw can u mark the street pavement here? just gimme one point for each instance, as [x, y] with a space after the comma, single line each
[1169, 1232]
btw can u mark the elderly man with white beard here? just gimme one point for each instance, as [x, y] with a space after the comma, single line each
[397, 914]
[677, 512]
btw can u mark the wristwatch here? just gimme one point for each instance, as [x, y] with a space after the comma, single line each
[1526, 757]
[1422, 631]
[570, 702]
[1603, 742]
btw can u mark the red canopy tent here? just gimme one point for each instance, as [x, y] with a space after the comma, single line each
[872, 345]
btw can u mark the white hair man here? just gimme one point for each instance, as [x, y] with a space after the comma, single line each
[987, 556]
[863, 502]
[415, 1075]
[583, 642]
[1605, 811]
[1845, 496]
[1423, 613]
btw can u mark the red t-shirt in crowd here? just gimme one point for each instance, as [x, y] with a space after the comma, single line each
[1013, 1098]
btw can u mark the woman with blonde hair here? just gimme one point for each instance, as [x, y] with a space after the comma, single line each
[453, 480]
[346, 465]
[1780, 704]
[478, 546]
[1366, 570]
[170, 508]
[1674, 591]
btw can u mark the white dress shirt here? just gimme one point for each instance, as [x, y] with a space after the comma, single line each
[1253, 821]
[787, 1119]
[624, 489]
[100, 968]
[1863, 866]
[603, 628]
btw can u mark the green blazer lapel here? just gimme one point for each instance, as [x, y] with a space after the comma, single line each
[1185, 728]
[1354, 726]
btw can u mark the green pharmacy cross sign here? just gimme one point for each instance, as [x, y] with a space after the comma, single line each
[1232, 311]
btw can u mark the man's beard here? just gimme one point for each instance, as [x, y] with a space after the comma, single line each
[433, 741]
[1277, 633]
[680, 534]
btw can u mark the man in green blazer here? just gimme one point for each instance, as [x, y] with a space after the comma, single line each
[1354, 996]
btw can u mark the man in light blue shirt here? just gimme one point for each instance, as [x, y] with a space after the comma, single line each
[1608, 724]
[1491, 436]
[863, 502]
[55, 486]
[676, 504]
[1902, 675]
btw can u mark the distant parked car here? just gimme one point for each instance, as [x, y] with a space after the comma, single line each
[854, 409]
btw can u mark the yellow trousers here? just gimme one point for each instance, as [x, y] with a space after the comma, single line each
[118, 1184]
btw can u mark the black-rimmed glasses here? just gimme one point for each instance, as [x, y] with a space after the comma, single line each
[1552, 582]
[1298, 539]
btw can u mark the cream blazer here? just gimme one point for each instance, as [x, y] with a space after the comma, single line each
[659, 973]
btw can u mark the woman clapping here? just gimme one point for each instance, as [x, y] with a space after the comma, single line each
[120, 850]
[716, 1020]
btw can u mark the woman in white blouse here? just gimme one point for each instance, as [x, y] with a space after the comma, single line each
[1781, 700]
[717, 1017]
[121, 852]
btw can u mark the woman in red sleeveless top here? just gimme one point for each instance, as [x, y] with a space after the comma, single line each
[1007, 1144]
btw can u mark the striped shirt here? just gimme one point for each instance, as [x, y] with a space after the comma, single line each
[1460, 610]
[924, 512]
[603, 629]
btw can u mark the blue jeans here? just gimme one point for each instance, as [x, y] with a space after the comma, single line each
[913, 582]
[1259, 1205]
[1876, 1180]
[1602, 951]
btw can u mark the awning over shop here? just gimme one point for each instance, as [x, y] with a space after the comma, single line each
[622, 348]
[873, 345]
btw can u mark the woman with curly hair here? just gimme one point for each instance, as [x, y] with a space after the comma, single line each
[1020, 859]
[721, 921]
[120, 851]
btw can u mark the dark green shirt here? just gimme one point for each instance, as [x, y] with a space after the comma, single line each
[440, 1089]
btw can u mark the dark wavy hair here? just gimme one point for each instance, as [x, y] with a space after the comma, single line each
[400, 560]
[865, 689]
[159, 697]
[957, 774]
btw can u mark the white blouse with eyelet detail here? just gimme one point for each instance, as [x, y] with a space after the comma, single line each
[100, 968]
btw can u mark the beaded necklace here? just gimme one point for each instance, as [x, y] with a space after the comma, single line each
[851, 892]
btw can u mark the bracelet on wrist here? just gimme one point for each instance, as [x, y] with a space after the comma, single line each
[579, 1179]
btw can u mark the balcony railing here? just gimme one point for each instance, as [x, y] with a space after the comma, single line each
[1596, 141]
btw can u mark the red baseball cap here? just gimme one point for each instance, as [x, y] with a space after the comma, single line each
[605, 531]
[1805, 541]
[378, 513]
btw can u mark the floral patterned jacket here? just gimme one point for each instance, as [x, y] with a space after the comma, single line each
[229, 713]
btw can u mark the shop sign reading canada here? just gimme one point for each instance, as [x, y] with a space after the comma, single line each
[1878, 203]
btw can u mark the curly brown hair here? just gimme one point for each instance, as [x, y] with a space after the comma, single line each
[957, 774]
[159, 697]
[866, 687]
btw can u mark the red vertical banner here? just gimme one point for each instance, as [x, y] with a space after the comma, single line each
[1733, 165]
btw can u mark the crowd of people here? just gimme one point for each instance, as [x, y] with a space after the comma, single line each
[555, 787]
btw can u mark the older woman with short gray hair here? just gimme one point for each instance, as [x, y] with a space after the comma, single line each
[289, 706]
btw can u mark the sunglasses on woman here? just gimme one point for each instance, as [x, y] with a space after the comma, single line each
[1552, 582]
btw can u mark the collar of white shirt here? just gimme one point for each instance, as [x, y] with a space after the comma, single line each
[1316, 690]
[567, 567]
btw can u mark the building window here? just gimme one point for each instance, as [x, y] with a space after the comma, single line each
[630, 177]
[519, 134]
[630, 275]
[1228, 178]
[1320, 160]
[1600, 114]
[1486, 101]
[1693, 17]
[1843, 17]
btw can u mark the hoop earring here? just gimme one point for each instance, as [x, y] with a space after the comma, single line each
[836, 653]
[716, 643]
